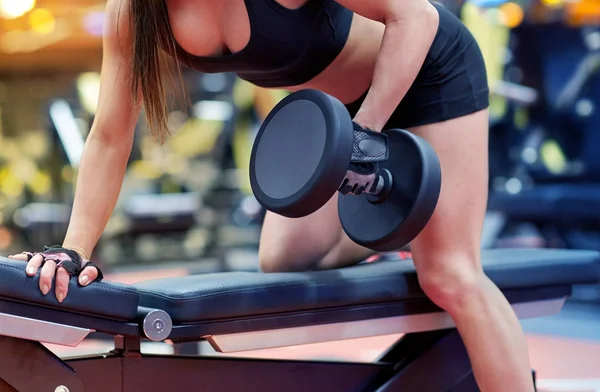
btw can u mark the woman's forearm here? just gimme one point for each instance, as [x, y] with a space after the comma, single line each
[405, 45]
[99, 181]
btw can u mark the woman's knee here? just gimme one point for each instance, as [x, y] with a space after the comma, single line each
[272, 257]
[288, 256]
[272, 261]
[289, 245]
[452, 283]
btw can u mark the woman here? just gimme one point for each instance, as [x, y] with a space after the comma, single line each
[403, 64]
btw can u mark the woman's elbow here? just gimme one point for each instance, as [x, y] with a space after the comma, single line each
[111, 136]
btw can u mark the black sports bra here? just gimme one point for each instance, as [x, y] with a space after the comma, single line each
[287, 47]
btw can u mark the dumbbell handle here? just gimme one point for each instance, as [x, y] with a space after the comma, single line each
[379, 187]
[382, 188]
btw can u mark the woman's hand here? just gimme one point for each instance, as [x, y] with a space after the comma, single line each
[58, 264]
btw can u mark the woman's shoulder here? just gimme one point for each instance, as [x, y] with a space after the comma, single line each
[117, 23]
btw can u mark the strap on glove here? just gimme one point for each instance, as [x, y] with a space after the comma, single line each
[68, 259]
[369, 148]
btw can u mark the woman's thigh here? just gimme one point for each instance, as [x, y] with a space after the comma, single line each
[316, 241]
[448, 106]
[454, 231]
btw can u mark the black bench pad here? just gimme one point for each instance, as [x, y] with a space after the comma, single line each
[208, 297]
[201, 298]
[99, 299]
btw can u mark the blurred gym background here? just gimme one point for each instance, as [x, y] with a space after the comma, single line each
[186, 207]
[188, 200]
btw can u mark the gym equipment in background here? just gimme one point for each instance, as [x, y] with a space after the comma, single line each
[545, 172]
[240, 311]
[44, 221]
[549, 127]
[187, 190]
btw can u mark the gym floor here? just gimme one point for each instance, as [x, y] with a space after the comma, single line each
[564, 348]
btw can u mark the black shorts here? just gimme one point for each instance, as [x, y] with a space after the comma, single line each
[452, 82]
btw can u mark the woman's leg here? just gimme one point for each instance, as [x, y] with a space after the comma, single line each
[316, 241]
[446, 254]
[448, 260]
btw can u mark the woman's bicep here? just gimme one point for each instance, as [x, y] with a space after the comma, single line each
[118, 109]
[385, 11]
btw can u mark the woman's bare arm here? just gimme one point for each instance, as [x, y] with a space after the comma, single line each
[410, 27]
[104, 160]
[110, 140]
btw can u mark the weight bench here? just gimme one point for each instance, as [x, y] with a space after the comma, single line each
[238, 311]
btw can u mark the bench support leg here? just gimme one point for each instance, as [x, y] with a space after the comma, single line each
[28, 366]
[430, 361]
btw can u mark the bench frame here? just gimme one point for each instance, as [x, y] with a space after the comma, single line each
[408, 363]
[430, 356]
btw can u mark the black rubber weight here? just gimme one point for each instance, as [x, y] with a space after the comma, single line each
[301, 153]
[395, 222]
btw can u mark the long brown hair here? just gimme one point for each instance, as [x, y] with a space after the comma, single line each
[154, 61]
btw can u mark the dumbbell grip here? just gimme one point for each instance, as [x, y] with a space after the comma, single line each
[384, 188]
[381, 189]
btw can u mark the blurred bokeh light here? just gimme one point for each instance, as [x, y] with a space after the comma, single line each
[12, 9]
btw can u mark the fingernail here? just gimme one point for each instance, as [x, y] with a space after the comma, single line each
[45, 289]
[60, 297]
[30, 270]
[83, 280]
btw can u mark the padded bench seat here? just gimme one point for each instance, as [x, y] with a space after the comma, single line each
[236, 294]
[201, 306]
[208, 297]
[100, 299]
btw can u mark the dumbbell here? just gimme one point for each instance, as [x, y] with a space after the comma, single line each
[300, 157]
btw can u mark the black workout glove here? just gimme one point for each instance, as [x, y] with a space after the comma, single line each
[369, 148]
[68, 259]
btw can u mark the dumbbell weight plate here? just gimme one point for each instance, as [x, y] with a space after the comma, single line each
[301, 153]
[393, 223]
